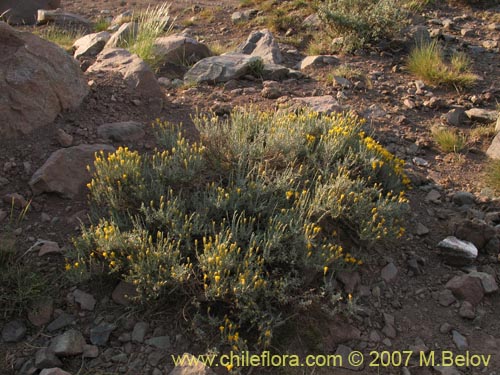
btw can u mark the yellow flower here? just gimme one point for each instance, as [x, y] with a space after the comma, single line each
[325, 270]
[67, 267]
[229, 367]
[217, 278]
[289, 194]
[76, 265]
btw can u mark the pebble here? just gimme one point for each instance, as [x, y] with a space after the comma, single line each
[69, 343]
[100, 335]
[467, 310]
[139, 331]
[389, 273]
[459, 340]
[85, 300]
[14, 331]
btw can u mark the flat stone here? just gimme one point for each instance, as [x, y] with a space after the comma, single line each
[100, 335]
[466, 288]
[160, 342]
[46, 358]
[90, 45]
[14, 331]
[459, 340]
[326, 104]
[69, 343]
[488, 282]
[90, 351]
[61, 321]
[446, 298]
[482, 115]
[54, 371]
[121, 131]
[457, 252]
[139, 331]
[49, 247]
[85, 300]
[389, 273]
[317, 61]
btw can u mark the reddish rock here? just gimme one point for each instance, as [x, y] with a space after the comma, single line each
[466, 288]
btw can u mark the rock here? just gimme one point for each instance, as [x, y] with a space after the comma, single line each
[340, 332]
[123, 292]
[69, 343]
[445, 328]
[25, 12]
[180, 50]
[90, 351]
[446, 370]
[456, 252]
[100, 335]
[459, 340]
[13, 331]
[421, 230]
[54, 371]
[446, 298]
[136, 73]
[15, 199]
[65, 171]
[61, 321]
[90, 45]
[38, 80]
[121, 131]
[317, 61]
[312, 21]
[326, 104]
[271, 92]
[139, 331]
[482, 115]
[345, 353]
[497, 125]
[245, 15]
[456, 117]
[64, 139]
[466, 288]
[49, 247]
[41, 311]
[191, 366]
[467, 32]
[433, 196]
[85, 300]
[494, 149]
[276, 72]
[120, 37]
[3, 215]
[420, 35]
[62, 18]
[389, 331]
[488, 282]
[160, 342]
[262, 44]
[350, 280]
[467, 310]
[46, 358]
[490, 44]
[475, 231]
[389, 273]
[462, 198]
[341, 82]
[221, 68]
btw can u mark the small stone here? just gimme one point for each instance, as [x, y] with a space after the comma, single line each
[271, 93]
[433, 196]
[389, 273]
[408, 103]
[54, 371]
[344, 352]
[459, 340]
[374, 336]
[467, 310]
[61, 321]
[100, 335]
[389, 331]
[466, 288]
[350, 280]
[482, 115]
[119, 358]
[139, 331]
[46, 358]
[488, 282]
[49, 247]
[457, 252]
[446, 298]
[64, 139]
[445, 328]
[14, 331]
[342, 82]
[467, 32]
[15, 199]
[69, 343]
[90, 351]
[490, 44]
[160, 342]
[447, 370]
[421, 230]
[85, 300]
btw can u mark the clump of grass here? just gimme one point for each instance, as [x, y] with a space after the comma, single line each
[492, 174]
[218, 48]
[426, 61]
[256, 67]
[448, 140]
[102, 24]
[480, 132]
[152, 23]
[64, 38]
[280, 20]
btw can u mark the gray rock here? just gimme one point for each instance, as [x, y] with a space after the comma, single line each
[317, 61]
[467, 310]
[221, 68]
[90, 351]
[119, 358]
[326, 104]
[62, 18]
[90, 45]
[85, 300]
[271, 92]
[139, 331]
[65, 171]
[123, 293]
[100, 335]
[459, 340]
[341, 82]
[466, 288]
[461, 198]
[61, 321]
[312, 21]
[160, 342]
[446, 370]
[433, 196]
[456, 117]
[24, 12]
[277, 72]
[14, 331]
[482, 115]
[69, 343]
[180, 50]
[38, 80]
[49, 247]
[121, 131]
[446, 298]
[389, 273]
[389, 331]
[445, 328]
[125, 32]
[195, 369]
[420, 35]
[421, 230]
[262, 44]
[488, 282]
[64, 138]
[344, 352]
[54, 371]
[494, 149]
[135, 72]
[457, 252]
[41, 311]
[46, 358]
[475, 231]
[245, 15]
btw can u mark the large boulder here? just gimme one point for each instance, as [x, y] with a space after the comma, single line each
[180, 50]
[38, 80]
[222, 68]
[136, 73]
[65, 171]
[262, 44]
[24, 12]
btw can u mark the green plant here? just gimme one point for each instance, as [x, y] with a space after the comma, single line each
[448, 140]
[152, 23]
[247, 222]
[256, 67]
[101, 24]
[492, 174]
[358, 22]
[426, 62]
[62, 37]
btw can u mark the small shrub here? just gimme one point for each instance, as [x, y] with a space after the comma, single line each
[426, 62]
[492, 174]
[359, 22]
[62, 37]
[246, 222]
[448, 140]
[256, 67]
[102, 24]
